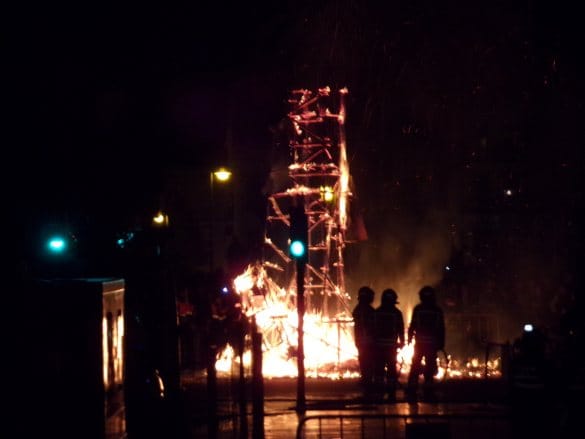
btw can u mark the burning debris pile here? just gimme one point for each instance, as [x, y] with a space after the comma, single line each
[329, 346]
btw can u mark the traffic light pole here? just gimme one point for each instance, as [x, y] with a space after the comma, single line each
[301, 401]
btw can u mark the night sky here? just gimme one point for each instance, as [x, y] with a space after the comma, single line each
[450, 105]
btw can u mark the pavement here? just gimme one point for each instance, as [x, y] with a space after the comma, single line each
[463, 408]
[334, 403]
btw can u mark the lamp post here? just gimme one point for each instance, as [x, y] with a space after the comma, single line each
[221, 175]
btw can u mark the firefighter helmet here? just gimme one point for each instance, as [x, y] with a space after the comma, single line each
[427, 294]
[389, 297]
[366, 294]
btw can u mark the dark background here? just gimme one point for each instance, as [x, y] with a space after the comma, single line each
[450, 105]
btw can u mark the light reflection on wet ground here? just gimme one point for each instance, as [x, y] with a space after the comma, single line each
[283, 424]
[470, 420]
[347, 415]
[471, 409]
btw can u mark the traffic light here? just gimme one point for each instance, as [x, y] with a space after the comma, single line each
[52, 251]
[298, 247]
[59, 244]
[123, 239]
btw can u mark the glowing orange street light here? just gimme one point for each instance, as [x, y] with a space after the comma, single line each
[222, 174]
[160, 219]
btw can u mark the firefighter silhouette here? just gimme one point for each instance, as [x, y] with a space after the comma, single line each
[427, 329]
[363, 317]
[388, 338]
[532, 388]
[529, 362]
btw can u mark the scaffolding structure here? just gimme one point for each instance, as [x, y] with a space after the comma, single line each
[318, 179]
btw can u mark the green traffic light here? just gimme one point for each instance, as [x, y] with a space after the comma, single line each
[57, 244]
[297, 249]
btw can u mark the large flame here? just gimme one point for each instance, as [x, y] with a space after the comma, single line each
[330, 349]
[329, 346]
[343, 166]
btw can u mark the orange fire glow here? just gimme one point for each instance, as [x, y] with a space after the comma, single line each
[330, 349]
[329, 344]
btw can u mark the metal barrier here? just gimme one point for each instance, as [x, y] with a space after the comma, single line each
[410, 426]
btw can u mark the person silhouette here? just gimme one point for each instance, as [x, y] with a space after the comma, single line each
[427, 329]
[363, 317]
[388, 338]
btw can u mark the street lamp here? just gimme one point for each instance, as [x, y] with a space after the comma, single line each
[160, 219]
[221, 175]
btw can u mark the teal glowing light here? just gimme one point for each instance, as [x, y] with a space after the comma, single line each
[297, 249]
[57, 244]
